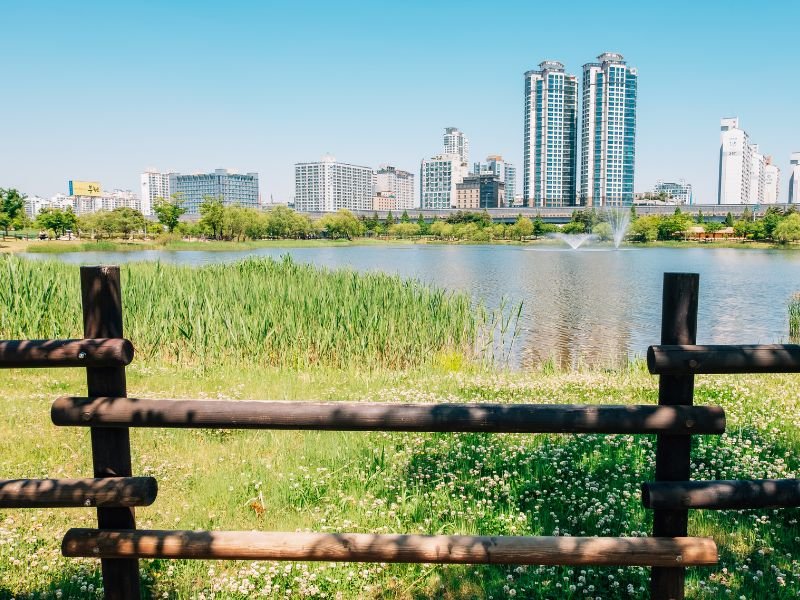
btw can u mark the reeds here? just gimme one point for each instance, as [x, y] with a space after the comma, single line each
[794, 317]
[253, 312]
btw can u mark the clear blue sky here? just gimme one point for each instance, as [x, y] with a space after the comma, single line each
[103, 90]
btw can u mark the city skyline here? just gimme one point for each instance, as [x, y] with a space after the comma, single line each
[285, 116]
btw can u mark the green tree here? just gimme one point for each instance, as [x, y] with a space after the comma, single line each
[788, 230]
[235, 220]
[442, 229]
[672, 227]
[57, 220]
[772, 218]
[585, 218]
[169, 211]
[12, 207]
[127, 220]
[524, 227]
[212, 215]
[404, 230]
[404, 218]
[424, 228]
[342, 224]
[603, 232]
[700, 218]
[574, 227]
[644, 229]
[729, 220]
[389, 219]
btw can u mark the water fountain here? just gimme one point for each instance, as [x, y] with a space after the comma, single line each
[575, 240]
[619, 219]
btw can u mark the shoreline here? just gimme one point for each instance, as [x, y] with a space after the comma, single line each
[13, 246]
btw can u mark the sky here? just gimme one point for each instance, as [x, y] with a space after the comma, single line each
[104, 90]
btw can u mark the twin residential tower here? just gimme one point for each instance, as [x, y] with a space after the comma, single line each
[607, 133]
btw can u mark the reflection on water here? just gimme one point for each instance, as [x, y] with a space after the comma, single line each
[589, 306]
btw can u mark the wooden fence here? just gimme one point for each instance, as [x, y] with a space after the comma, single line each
[114, 492]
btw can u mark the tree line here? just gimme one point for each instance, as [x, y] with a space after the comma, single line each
[233, 222]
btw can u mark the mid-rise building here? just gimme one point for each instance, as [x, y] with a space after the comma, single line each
[794, 178]
[398, 183]
[735, 164]
[328, 186]
[550, 152]
[608, 125]
[772, 181]
[439, 177]
[504, 171]
[480, 191]
[679, 191]
[384, 201]
[455, 142]
[757, 166]
[154, 185]
[231, 188]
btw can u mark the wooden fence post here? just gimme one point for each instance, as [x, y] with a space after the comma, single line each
[101, 297]
[678, 326]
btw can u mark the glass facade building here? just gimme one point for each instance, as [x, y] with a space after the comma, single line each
[550, 152]
[608, 132]
[231, 188]
[504, 171]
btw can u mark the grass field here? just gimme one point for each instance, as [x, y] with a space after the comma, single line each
[377, 482]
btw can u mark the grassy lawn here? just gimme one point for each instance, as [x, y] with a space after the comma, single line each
[381, 483]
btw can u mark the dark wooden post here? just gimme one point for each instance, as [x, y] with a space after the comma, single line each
[678, 326]
[101, 295]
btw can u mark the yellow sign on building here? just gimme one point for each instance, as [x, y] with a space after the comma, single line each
[85, 188]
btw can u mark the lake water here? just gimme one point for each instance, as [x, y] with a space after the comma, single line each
[591, 306]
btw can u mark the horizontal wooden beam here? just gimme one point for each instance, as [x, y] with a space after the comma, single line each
[364, 416]
[362, 547]
[684, 359]
[73, 493]
[27, 354]
[721, 495]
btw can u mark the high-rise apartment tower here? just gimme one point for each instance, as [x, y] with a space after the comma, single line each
[608, 132]
[550, 152]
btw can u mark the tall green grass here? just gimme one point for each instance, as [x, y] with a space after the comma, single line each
[253, 312]
[794, 317]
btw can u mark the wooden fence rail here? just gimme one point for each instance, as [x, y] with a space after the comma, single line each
[114, 492]
[364, 416]
[363, 547]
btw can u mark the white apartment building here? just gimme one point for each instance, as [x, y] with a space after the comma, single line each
[455, 142]
[400, 184]
[154, 184]
[794, 178]
[34, 204]
[735, 164]
[328, 186]
[772, 182]
[83, 205]
[439, 177]
[757, 165]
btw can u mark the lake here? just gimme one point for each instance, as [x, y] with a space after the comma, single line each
[588, 306]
